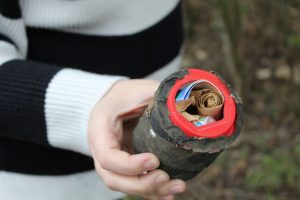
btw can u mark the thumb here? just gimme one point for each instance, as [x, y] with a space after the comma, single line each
[134, 96]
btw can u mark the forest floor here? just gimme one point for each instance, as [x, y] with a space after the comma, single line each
[264, 162]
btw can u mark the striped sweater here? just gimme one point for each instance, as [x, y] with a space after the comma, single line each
[58, 57]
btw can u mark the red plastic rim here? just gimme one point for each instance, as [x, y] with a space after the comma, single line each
[222, 127]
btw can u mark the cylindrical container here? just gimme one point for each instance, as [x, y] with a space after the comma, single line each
[184, 149]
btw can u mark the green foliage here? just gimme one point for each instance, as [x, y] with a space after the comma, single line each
[294, 40]
[263, 34]
[222, 158]
[274, 172]
[296, 150]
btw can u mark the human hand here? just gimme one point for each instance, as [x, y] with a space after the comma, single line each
[110, 133]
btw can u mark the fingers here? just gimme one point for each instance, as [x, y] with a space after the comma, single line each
[138, 185]
[134, 113]
[108, 115]
[119, 170]
[175, 186]
[168, 197]
[167, 190]
[153, 185]
[133, 93]
[123, 163]
[106, 150]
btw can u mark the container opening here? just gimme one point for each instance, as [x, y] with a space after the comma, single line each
[200, 102]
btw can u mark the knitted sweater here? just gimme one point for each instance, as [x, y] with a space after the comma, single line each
[58, 58]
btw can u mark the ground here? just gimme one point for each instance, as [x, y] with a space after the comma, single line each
[255, 44]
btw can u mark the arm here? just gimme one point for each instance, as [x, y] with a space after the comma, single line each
[40, 103]
[51, 105]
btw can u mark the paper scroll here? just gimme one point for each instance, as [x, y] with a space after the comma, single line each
[206, 100]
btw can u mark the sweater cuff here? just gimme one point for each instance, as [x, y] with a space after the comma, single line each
[70, 97]
[8, 52]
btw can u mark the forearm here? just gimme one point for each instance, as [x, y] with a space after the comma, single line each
[48, 105]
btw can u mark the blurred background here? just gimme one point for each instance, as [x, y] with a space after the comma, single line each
[255, 45]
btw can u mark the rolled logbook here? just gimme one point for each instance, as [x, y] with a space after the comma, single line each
[194, 117]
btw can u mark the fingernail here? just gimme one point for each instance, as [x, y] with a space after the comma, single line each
[150, 164]
[160, 179]
[176, 189]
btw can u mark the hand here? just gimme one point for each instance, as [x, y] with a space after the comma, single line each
[109, 135]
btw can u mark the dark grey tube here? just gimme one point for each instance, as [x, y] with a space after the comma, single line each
[180, 156]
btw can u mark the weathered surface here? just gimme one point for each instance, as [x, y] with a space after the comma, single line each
[180, 156]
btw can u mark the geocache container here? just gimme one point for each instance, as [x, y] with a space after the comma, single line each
[184, 149]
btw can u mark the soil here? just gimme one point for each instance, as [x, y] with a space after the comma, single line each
[264, 162]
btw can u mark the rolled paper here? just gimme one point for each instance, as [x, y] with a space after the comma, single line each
[183, 105]
[204, 96]
[190, 117]
[210, 104]
[208, 99]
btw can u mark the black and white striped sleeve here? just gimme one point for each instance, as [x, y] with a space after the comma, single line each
[40, 103]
